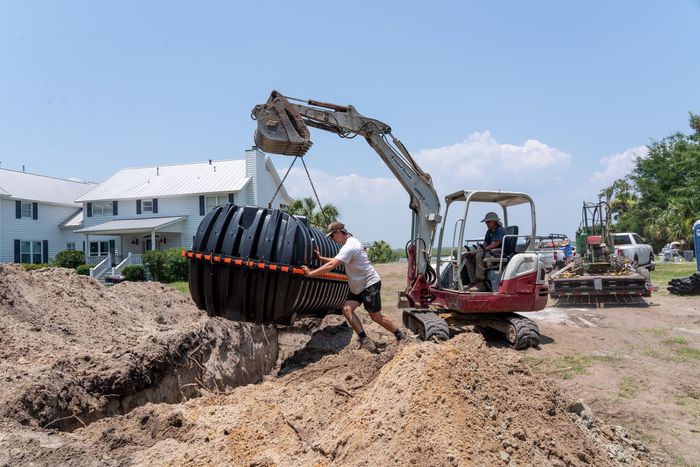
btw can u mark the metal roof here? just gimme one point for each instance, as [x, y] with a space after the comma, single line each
[132, 225]
[171, 180]
[75, 220]
[33, 187]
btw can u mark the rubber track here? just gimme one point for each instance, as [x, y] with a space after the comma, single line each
[527, 333]
[427, 325]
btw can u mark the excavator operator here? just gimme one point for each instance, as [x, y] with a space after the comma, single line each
[475, 258]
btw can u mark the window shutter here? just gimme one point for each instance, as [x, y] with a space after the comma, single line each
[155, 206]
[35, 211]
[115, 208]
[230, 198]
[138, 206]
[201, 205]
[84, 246]
[45, 251]
[18, 258]
[18, 209]
[89, 209]
[112, 248]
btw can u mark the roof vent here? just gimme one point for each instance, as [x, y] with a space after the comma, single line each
[157, 171]
[22, 168]
[209, 161]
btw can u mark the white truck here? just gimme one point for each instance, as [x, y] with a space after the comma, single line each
[632, 246]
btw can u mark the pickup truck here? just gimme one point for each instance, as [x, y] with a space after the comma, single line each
[631, 246]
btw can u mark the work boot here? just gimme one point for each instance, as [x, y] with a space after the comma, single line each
[368, 345]
[477, 286]
[399, 335]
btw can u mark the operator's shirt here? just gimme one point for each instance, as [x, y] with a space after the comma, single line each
[495, 236]
[361, 273]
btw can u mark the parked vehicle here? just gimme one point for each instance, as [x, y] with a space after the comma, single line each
[631, 246]
[672, 252]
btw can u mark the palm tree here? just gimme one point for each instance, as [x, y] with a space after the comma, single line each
[319, 218]
[380, 252]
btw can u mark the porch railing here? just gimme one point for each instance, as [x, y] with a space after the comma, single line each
[128, 261]
[102, 267]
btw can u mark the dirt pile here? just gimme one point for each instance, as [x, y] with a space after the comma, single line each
[73, 351]
[458, 403]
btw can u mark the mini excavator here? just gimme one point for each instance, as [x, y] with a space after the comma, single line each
[436, 302]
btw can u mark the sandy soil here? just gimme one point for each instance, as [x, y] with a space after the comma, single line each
[135, 374]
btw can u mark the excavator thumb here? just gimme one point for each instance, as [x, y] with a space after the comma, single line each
[281, 129]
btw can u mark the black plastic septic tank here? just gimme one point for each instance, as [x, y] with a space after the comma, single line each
[245, 265]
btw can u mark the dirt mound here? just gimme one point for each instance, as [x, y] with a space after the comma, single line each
[462, 402]
[73, 351]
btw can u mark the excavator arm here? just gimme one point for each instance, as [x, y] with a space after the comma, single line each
[283, 129]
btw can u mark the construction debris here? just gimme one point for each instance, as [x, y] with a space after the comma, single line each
[689, 285]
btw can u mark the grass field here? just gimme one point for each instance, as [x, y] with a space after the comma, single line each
[666, 271]
[182, 286]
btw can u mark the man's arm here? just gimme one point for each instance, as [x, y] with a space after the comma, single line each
[331, 264]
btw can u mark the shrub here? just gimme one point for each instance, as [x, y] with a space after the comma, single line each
[134, 272]
[32, 267]
[69, 259]
[155, 261]
[83, 269]
[176, 267]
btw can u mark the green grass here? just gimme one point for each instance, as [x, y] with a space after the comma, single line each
[657, 331]
[182, 286]
[675, 340]
[629, 387]
[666, 271]
[568, 366]
[690, 404]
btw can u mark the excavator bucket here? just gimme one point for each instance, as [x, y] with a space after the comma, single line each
[281, 129]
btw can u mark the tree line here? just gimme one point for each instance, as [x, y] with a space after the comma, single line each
[660, 199]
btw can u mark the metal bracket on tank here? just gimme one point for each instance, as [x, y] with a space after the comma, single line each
[261, 265]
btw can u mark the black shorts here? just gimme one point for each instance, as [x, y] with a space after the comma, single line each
[370, 297]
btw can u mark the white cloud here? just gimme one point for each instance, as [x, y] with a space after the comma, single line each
[480, 155]
[376, 208]
[618, 165]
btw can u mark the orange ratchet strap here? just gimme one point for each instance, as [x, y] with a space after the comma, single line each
[241, 262]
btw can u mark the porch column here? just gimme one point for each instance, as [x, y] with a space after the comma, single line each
[153, 239]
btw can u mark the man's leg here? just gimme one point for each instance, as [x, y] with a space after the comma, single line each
[350, 316]
[383, 321]
[471, 269]
[480, 272]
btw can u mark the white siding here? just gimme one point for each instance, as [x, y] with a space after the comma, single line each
[43, 228]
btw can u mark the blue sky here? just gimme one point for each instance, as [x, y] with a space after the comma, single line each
[551, 98]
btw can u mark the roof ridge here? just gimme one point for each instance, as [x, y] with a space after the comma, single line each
[84, 182]
[184, 163]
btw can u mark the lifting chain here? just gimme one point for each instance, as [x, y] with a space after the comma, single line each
[308, 175]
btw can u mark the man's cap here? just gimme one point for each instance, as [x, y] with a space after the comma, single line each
[334, 227]
[491, 216]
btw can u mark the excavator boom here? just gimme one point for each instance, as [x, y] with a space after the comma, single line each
[283, 129]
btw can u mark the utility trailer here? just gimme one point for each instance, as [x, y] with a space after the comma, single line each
[596, 276]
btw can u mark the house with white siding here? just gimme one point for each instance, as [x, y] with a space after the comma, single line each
[33, 211]
[159, 207]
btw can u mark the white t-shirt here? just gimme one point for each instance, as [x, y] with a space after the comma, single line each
[361, 273]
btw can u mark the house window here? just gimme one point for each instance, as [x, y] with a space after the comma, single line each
[102, 208]
[147, 206]
[26, 209]
[70, 246]
[30, 252]
[210, 202]
[99, 248]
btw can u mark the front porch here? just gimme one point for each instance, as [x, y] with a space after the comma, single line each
[114, 245]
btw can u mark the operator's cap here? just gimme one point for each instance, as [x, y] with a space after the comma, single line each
[491, 216]
[334, 227]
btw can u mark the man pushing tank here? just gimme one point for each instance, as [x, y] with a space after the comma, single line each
[364, 281]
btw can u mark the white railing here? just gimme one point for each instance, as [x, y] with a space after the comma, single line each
[99, 270]
[95, 259]
[128, 261]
